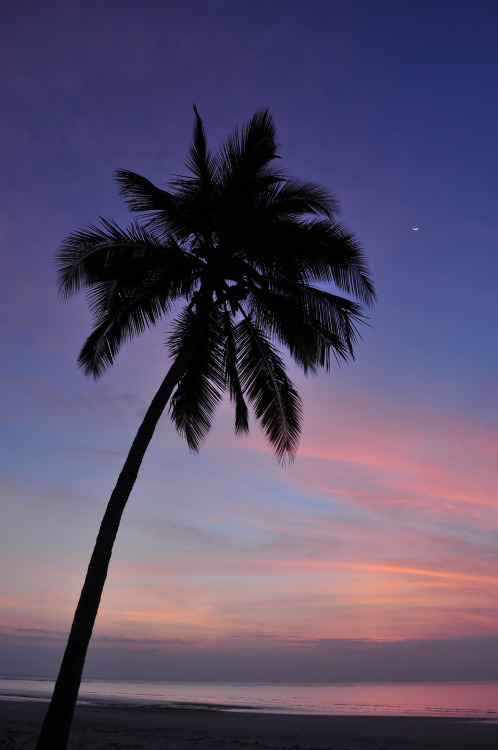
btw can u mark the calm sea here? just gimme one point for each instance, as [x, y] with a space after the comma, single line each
[465, 699]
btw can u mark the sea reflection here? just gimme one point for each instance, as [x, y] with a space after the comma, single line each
[464, 699]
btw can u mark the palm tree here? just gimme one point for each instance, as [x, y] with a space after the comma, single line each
[232, 253]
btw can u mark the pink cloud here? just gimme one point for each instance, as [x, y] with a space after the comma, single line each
[383, 528]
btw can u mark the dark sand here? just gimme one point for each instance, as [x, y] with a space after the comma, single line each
[197, 729]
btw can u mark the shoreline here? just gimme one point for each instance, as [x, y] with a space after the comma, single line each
[159, 728]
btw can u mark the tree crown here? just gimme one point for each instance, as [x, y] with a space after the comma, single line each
[246, 247]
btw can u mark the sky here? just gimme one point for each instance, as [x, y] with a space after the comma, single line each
[375, 555]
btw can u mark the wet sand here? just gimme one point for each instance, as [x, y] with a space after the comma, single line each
[106, 728]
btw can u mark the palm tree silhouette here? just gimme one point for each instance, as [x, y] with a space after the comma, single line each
[232, 253]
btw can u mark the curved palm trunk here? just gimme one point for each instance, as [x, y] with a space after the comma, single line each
[54, 734]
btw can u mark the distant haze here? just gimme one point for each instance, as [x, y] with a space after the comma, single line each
[471, 658]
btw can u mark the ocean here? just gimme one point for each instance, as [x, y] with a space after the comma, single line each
[464, 699]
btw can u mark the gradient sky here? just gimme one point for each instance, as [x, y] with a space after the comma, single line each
[375, 556]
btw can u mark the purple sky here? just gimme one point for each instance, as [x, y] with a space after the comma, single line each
[375, 555]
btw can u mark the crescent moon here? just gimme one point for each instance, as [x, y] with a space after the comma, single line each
[415, 229]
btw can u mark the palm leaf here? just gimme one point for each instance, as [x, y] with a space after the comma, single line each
[201, 387]
[299, 197]
[123, 309]
[245, 153]
[232, 376]
[289, 302]
[102, 254]
[90, 255]
[312, 326]
[311, 251]
[263, 378]
[141, 194]
[245, 171]
[199, 159]
[161, 207]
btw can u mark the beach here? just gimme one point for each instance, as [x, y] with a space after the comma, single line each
[134, 728]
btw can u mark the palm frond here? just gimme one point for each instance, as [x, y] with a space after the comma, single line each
[309, 252]
[245, 153]
[100, 254]
[313, 325]
[299, 197]
[195, 195]
[232, 376]
[160, 207]
[344, 263]
[316, 307]
[199, 159]
[122, 312]
[245, 169]
[141, 194]
[200, 388]
[90, 255]
[276, 403]
[125, 305]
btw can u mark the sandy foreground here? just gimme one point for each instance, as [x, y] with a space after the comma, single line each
[99, 728]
